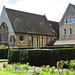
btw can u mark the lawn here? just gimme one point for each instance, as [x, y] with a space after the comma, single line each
[3, 59]
[5, 73]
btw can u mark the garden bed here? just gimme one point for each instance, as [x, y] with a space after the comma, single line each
[26, 69]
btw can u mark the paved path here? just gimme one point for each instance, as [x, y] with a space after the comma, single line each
[4, 62]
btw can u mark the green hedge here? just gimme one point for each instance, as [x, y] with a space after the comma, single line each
[56, 47]
[3, 53]
[41, 56]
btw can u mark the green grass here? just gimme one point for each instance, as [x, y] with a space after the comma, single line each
[3, 59]
[5, 73]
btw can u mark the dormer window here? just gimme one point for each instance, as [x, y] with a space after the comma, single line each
[70, 20]
[66, 20]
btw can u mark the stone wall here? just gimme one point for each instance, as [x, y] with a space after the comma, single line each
[69, 13]
[27, 40]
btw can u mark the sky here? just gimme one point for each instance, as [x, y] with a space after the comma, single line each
[53, 9]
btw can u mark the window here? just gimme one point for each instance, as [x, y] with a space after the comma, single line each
[37, 41]
[70, 31]
[42, 41]
[21, 38]
[66, 20]
[4, 26]
[51, 39]
[64, 31]
[32, 40]
[47, 40]
[70, 19]
[74, 19]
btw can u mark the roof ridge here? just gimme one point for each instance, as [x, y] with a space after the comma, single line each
[23, 11]
[71, 4]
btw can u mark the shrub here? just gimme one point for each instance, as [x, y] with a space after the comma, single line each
[40, 57]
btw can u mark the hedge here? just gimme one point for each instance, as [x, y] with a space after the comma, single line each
[40, 57]
[56, 47]
[3, 52]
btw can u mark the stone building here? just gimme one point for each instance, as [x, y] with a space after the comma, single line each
[23, 29]
[67, 24]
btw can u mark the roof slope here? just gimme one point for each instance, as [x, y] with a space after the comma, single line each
[72, 5]
[55, 26]
[24, 22]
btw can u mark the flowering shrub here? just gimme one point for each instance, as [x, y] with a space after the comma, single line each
[60, 64]
[26, 69]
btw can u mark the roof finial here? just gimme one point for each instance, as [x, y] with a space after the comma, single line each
[4, 6]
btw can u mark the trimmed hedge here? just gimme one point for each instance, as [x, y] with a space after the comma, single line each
[40, 57]
[3, 53]
[56, 47]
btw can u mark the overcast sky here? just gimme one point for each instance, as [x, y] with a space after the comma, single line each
[53, 9]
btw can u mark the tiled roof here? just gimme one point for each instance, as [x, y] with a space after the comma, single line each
[24, 22]
[55, 26]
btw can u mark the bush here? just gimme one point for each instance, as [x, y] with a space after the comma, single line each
[3, 52]
[17, 55]
[40, 57]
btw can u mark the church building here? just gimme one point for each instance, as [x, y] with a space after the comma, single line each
[23, 29]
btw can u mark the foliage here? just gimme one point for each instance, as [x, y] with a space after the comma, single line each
[2, 46]
[26, 69]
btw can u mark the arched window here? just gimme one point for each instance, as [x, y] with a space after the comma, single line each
[66, 20]
[70, 31]
[4, 26]
[64, 31]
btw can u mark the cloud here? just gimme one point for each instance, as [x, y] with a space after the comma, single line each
[53, 9]
[47, 7]
[13, 1]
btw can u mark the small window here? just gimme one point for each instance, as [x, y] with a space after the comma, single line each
[4, 26]
[64, 31]
[32, 40]
[74, 19]
[46, 39]
[70, 19]
[42, 41]
[37, 41]
[21, 38]
[70, 31]
[66, 20]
